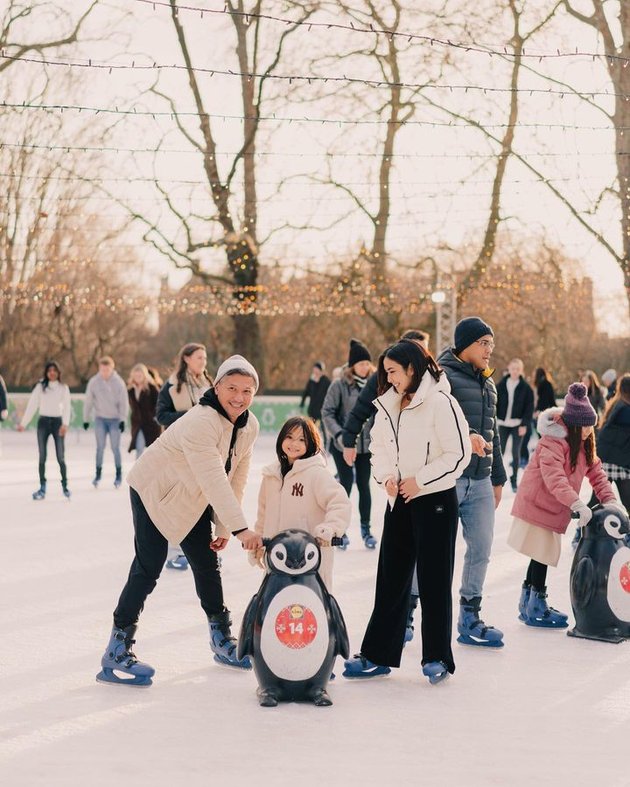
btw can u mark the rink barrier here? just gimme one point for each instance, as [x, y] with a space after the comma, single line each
[271, 411]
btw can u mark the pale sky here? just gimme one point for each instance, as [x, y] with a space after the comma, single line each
[442, 176]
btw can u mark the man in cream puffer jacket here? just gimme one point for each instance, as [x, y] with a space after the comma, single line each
[193, 475]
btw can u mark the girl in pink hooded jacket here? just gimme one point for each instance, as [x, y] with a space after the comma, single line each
[550, 492]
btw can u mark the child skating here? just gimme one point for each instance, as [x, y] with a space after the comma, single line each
[298, 491]
[550, 492]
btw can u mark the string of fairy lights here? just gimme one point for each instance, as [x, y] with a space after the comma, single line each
[352, 292]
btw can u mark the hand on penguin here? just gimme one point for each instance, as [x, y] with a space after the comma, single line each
[324, 535]
[256, 557]
[585, 513]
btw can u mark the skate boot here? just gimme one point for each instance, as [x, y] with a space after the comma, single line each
[540, 614]
[118, 479]
[472, 630]
[66, 492]
[119, 658]
[179, 563]
[97, 477]
[523, 600]
[435, 671]
[413, 603]
[366, 535]
[345, 541]
[223, 644]
[41, 492]
[360, 667]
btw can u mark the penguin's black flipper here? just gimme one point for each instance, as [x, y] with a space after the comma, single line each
[342, 646]
[583, 582]
[245, 645]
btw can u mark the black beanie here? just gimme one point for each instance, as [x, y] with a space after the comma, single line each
[468, 331]
[358, 352]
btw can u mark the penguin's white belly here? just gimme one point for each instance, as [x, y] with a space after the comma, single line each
[294, 637]
[619, 584]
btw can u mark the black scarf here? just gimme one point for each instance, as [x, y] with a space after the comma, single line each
[210, 399]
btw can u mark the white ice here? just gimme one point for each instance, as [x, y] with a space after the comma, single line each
[544, 710]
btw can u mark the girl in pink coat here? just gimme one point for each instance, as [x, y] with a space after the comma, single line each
[298, 490]
[550, 492]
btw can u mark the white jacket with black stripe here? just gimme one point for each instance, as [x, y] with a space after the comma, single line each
[428, 439]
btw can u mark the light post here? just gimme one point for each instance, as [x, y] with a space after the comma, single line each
[438, 297]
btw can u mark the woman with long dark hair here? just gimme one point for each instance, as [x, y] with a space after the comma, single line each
[613, 440]
[51, 398]
[420, 447]
[179, 394]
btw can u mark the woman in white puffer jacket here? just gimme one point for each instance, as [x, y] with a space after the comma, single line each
[420, 447]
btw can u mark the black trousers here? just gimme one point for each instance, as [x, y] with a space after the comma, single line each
[362, 473]
[151, 548]
[49, 426]
[423, 532]
[504, 433]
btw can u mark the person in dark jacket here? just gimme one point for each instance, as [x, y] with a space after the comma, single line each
[479, 489]
[609, 379]
[515, 408]
[340, 399]
[143, 396]
[545, 397]
[613, 440]
[315, 391]
[596, 394]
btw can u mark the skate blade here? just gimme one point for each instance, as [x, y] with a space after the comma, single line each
[466, 639]
[538, 624]
[226, 663]
[365, 675]
[110, 677]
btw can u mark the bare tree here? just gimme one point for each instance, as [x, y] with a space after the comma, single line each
[257, 50]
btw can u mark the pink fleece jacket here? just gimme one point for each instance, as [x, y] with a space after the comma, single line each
[549, 487]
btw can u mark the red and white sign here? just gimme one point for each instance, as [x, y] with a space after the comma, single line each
[296, 626]
[624, 577]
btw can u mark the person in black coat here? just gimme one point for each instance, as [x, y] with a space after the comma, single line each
[143, 391]
[545, 398]
[613, 440]
[315, 392]
[515, 408]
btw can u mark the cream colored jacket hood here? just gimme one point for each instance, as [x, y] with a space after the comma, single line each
[428, 439]
[183, 471]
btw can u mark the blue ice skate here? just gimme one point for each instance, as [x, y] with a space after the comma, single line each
[368, 539]
[541, 615]
[41, 492]
[118, 479]
[413, 603]
[524, 600]
[435, 671]
[345, 541]
[119, 660]
[472, 630]
[360, 667]
[66, 492]
[179, 563]
[223, 644]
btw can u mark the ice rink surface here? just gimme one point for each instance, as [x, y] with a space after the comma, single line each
[544, 710]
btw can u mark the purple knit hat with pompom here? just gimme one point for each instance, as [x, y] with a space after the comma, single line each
[578, 411]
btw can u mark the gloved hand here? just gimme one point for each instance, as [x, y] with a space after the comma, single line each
[256, 557]
[584, 511]
[86, 425]
[121, 426]
[324, 534]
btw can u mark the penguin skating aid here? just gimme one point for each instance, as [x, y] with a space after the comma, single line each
[600, 578]
[293, 628]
